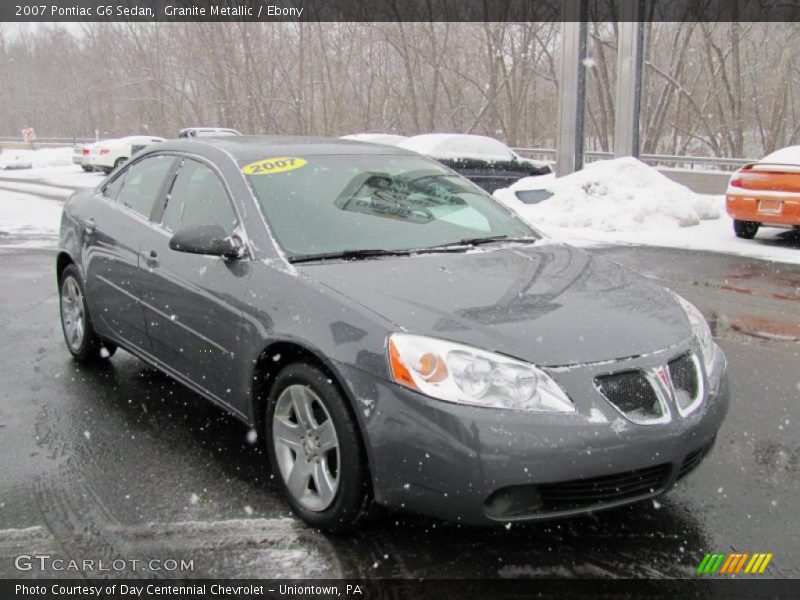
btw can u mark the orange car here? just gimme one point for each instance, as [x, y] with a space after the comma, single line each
[766, 193]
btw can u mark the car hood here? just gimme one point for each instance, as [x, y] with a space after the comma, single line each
[550, 304]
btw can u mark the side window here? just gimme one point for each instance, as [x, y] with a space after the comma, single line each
[111, 189]
[143, 182]
[198, 198]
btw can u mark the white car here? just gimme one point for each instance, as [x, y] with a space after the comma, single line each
[485, 161]
[77, 155]
[109, 154]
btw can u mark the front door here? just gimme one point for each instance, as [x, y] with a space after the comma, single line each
[192, 301]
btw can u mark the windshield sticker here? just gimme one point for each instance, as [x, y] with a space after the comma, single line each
[272, 166]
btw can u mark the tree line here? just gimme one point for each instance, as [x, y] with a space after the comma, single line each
[713, 89]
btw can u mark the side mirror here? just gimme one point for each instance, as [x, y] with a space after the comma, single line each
[207, 239]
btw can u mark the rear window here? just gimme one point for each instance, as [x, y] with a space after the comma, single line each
[143, 183]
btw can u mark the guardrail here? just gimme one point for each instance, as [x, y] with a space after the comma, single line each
[15, 142]
[705, 163]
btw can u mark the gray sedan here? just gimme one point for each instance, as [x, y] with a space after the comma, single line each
[392, 334]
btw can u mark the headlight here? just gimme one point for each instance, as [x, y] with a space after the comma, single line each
[458, 373]
[700, 329]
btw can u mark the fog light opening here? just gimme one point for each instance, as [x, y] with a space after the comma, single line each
[513, 501]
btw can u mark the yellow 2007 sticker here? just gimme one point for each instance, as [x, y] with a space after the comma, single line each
[270, 166]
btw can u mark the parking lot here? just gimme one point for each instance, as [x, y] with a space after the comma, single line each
[124, 463]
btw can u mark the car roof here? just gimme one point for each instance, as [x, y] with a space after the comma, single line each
[253, 147]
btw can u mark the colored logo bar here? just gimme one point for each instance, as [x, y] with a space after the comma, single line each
[734, 562]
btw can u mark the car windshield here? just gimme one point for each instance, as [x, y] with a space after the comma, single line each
[325, 204]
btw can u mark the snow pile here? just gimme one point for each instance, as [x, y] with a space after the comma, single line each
[35, 159]
[623, 194]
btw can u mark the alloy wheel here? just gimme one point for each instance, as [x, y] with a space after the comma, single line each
[306, 447]
[72, 313]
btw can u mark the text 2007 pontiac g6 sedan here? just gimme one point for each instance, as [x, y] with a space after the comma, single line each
[394, 334]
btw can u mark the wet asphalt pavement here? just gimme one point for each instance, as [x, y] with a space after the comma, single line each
[121, 462]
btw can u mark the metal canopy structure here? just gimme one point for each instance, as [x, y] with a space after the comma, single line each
[572, 83]
[572, 87]
[629, 79]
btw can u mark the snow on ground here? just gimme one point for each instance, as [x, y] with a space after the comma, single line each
[49, 166]
[716, 235]
[44, 157]
[28, 220]
[624, 201]
[71, 177]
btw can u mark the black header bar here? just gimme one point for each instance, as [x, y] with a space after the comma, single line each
[385, 10]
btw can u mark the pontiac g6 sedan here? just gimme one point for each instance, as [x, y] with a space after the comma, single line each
[393, 334]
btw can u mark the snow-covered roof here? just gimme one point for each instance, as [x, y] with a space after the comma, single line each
[785, 156]
[388, 139]
[458, 145]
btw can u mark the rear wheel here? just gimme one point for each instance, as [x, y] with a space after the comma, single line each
[82, 342]
[745, 229]
[119, 162]
[315, 449]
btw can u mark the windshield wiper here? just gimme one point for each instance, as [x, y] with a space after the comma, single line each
[376, 252]
[348, 255]
[489, 239]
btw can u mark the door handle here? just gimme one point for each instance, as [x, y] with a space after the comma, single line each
[152, 259]
[88, 225]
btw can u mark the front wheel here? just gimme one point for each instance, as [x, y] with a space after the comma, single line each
[82, 342]
[745, 229]
[315, 449]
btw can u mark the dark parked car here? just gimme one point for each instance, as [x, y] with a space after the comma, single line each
[392, 333]
[485, 161]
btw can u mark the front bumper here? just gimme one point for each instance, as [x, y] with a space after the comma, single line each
[480, 465]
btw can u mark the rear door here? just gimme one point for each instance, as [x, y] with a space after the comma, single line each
[192, 302]
[113, 226]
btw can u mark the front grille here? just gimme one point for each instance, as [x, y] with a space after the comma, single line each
[685, 378]
[632, 394]
[583, 493]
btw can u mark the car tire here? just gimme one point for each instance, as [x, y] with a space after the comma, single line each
[76, 324]
[324, 477]
[87, 169]
[745, 229]
[119, 162]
